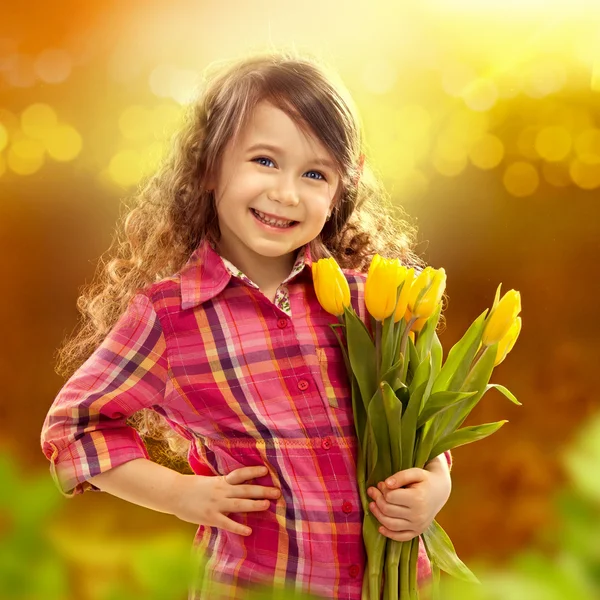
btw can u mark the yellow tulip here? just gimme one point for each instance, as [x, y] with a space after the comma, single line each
[407, 276]
[418, 324]
[381, 287]
[331, 286]
[432, 282]
[502, 318]
[411, 335]
[508, 341]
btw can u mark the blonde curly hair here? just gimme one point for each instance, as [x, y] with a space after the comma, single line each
[172, 211]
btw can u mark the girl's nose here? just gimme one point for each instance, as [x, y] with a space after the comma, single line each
[287, 197]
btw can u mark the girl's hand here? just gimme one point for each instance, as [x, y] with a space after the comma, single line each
[207, 500]
[407, 508]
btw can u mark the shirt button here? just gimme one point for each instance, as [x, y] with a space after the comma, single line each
[326, 443]
[347, 507]
[303, 384]
[354, 570]
[282, 323]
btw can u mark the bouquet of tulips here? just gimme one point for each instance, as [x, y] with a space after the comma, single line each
[408, 406]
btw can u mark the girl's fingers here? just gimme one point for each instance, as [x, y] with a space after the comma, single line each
[241, 505]
[399, 498]
[253, 491]
[391, 510]
[222, 522]
[244, 474]
[392, 523]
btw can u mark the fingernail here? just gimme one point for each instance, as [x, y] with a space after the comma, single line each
[391, 482]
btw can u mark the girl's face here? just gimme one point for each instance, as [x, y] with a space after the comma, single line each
[275, 172]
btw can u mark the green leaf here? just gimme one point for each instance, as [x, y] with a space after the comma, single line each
[421, 374]
[461, 354]
[504, 391]
[441, 553]
[393, 372]
[476, 382]
[377, 420]
[466, 435]
[409, 426]
[440, 402]
[425, 336]
[387, 343]
[393, 412]
[361, 352]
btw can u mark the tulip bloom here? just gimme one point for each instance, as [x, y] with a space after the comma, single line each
[502, 318]
[508, 341]
[432, 282]
[418, 324]
[331, 286]
[381, 287]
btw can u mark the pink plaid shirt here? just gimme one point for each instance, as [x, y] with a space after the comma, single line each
[248, 382]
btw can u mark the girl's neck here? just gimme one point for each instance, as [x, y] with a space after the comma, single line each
[265, 271]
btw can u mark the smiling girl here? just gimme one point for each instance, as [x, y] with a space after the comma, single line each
[203, 329]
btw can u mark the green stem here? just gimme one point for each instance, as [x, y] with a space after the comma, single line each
[378, 349]
[392, 565]
[414, 557]
[403, 348]
[364, 595]
[405, 571]
[475, 360]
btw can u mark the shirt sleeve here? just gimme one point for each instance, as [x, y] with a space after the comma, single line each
[449, 459]
[85, 431]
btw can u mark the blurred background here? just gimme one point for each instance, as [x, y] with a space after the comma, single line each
[483, 120]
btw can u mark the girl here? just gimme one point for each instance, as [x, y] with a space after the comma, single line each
[205, 325]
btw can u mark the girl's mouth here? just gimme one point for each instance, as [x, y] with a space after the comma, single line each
[272, 223]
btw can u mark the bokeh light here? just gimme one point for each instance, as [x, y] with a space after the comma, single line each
[63, 143]
[487, 152]
[553, 143]
[53, 65]
[521, 179]
[25, 156]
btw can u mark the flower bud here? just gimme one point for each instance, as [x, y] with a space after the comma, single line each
[381, 287]
[508, 341]
[426, 292]
[502, 318]
[331, 286]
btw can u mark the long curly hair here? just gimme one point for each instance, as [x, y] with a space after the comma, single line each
[172, 210]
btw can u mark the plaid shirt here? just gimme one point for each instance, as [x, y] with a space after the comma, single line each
[248, 382]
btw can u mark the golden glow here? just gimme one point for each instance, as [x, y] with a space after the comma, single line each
[3, 137]
[63, 143]
[38, 121]
[521, 179]
[553, 143]
[521, 100]
[487, 152]
[53, 65]
[25, 156]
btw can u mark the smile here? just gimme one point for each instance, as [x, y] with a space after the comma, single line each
[280, 224]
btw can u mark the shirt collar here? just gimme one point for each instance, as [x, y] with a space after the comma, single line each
[205, 274]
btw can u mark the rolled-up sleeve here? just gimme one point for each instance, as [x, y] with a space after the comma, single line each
[85, 431]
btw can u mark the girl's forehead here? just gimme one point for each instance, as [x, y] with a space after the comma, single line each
[268, 124]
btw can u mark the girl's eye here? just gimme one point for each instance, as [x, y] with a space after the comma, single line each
[268, 160]
[321, 176]
[263, 158]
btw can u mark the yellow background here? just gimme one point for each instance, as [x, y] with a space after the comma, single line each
[482, 119]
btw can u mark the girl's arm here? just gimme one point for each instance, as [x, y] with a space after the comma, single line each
[142, 482]
[85, 432]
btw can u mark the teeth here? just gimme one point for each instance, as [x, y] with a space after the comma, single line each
[270, 221]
